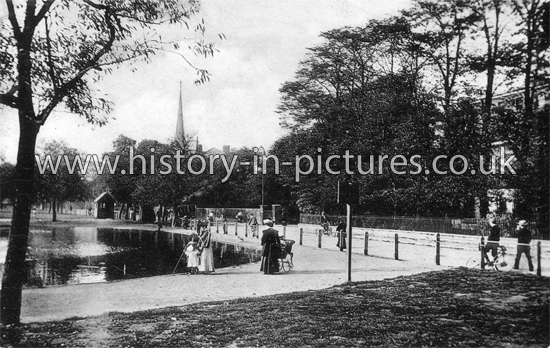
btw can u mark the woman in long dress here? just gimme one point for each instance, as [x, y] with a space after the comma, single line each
[207, 255]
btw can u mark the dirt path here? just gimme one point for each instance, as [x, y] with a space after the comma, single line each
[313, 269]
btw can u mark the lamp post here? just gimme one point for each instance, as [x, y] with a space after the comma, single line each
[262, 153]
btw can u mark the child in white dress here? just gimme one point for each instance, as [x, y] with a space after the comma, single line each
[192, 253]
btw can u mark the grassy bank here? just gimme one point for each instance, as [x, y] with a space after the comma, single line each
[449, 308]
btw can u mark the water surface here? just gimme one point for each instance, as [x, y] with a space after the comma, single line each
[74, 255]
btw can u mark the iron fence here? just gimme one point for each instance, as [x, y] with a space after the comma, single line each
[466, 226]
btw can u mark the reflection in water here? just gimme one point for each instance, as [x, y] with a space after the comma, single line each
[73, 255]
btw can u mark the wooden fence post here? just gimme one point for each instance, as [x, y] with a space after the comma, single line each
[437, 249]
[366, 249]
[396, 246]
[246, 230]
[301, 235]
[217, 226]
[482, 250]
[236, 228]
[320, 236]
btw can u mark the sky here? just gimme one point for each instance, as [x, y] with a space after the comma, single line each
[265, 41]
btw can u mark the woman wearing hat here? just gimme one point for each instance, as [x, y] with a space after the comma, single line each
[271, 249]
[207, 254]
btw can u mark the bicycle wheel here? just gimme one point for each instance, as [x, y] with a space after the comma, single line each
[474, 262]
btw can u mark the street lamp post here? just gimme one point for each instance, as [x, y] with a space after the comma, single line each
[262, 153]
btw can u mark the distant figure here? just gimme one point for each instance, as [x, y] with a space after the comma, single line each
[253, 223]
[224, 224]
[211, 217]
[193, 260]
[239, 216]
[271, 249]
[284, 217]
[524, 241]
[159, 219]
[341, 230]
[185, 222]
[34, 212]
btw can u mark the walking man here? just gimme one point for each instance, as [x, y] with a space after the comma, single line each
[524, 240]
[493, 240]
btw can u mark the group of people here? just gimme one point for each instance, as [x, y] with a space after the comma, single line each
[200, 256]
[523, 247]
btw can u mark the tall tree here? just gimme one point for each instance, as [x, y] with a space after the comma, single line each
[63, 181]
[440, 28]
[52, 51]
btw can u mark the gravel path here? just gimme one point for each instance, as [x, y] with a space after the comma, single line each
[313, 269]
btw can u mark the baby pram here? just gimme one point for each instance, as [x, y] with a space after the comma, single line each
[285, 259]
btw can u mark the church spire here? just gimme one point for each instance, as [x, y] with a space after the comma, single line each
[180, 133]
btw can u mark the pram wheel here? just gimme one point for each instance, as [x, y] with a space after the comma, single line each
[285, 260]
[286, 263]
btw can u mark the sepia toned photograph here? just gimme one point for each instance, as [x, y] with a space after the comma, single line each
[274, 173]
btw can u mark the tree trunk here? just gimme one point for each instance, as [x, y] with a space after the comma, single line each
[14, 268]
[54, 210]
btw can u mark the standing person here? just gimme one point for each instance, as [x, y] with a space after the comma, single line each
[524, 240]
[253, 223]
[192, 253]
[492, 240]
[211, 217]
[207, 254]
[271, 249]
[341, 230]
[240, 216]
[224, 224]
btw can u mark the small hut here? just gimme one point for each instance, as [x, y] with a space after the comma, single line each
[104, 206]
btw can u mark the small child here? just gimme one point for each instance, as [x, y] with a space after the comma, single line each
[192, 253]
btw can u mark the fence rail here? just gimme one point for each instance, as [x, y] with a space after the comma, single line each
[467, 226]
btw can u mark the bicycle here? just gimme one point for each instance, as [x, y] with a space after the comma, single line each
[327, 230]
[497, 264]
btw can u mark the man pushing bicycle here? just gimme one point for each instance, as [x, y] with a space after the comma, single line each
[492, 240]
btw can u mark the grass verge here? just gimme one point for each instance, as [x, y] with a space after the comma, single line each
[451, 308]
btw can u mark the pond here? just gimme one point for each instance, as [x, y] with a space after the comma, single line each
[75, 255]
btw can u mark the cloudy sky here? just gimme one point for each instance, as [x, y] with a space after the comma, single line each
[265, 40]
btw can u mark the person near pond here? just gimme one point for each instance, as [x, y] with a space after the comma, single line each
[341, 231]
[239, 216]
[524, 244]
[185, 222]
[224, 224]
[253, 223]
[271, 249]
[211, 217]
[492, 240]
[193, 258]
[207, 254]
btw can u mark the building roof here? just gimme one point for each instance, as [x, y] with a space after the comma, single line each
[214, 151]
[101, 196]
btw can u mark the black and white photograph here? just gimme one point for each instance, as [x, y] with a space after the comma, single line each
[274, 173]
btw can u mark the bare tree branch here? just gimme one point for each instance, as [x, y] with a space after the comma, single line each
[13, 19]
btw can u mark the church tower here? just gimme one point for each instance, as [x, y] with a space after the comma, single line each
[180, 133]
